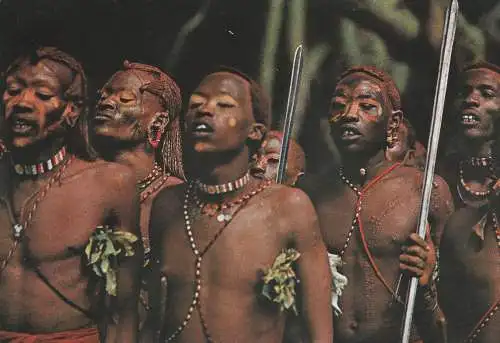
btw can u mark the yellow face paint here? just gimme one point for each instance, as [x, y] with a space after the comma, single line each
[231, 122]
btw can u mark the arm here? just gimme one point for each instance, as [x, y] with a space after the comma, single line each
[124, 208]
[313, 269]
[419, 259]
[156, 287]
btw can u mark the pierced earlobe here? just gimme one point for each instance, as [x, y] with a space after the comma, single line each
[157, 128]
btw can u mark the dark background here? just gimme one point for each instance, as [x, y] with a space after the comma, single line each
[102, 33]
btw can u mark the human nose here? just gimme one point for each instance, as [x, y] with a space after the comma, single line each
[472, 99]
[25, 102]
[351, 112]
[106, 104]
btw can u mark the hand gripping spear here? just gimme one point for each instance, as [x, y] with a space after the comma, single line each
[437, 116]
[290, 111]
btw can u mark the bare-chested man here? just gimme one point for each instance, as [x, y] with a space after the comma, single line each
[136, 123]
[269, 156]
[368, 213]
[47, 291]
[469, 286]
[216, 238]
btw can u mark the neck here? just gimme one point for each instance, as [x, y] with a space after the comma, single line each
[216, 169]
[353, 164]
[36, 153]
[139, 159]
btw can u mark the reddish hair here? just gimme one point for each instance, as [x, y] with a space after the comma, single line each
[482, 65]
[381, 76]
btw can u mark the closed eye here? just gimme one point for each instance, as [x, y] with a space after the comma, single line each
[44, 96]
[225, 105]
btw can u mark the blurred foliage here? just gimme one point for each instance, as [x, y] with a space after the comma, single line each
[190, 37]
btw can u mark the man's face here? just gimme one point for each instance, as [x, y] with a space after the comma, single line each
[219, 116]
[33, 101]
[123, 111]
[359, 114]
[269, 160]
[478, 104]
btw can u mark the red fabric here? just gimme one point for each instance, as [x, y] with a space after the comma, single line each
[89, 335]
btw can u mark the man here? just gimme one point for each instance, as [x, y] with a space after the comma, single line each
[470, 269]
[228, 242]
[268, 159]
[136, 123]
[368, 213]
[62, 207]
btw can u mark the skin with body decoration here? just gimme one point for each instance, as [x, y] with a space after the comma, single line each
[261, 229]
[362, 116]
[43, 99]
[130, 125]
[470, 241]
[268, 159]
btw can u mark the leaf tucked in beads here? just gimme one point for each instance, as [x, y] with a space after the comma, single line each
[280, 281]
[103, 250]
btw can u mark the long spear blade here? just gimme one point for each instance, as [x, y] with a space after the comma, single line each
[291, 104]
[432, 146]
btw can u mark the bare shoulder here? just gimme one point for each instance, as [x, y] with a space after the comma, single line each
[103, 173]
[169, 200]
[288, 197]
[293, 204]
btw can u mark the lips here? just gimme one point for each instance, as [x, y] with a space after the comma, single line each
[349, 132]
[201, 128]
[22, 126]
[469, 118]
[104, 116]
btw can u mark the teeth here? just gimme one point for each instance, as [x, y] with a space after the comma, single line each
[468, 118]
[201, 127]
[348, 132]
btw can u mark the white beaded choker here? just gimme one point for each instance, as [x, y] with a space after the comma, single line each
[224, 188]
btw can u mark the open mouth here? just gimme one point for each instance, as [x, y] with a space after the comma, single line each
[469, 118]
[348, 132]
[103, 116]
[22, 126]
[201, 129]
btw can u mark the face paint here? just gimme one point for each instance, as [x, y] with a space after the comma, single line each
[231, 122]
[33, 101]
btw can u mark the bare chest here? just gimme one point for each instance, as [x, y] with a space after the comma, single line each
[479, 263]
[233, 256]
[383, 215]
[57, 221]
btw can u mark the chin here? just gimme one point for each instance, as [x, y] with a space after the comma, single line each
[474, 134]
[353, 148]
[24, 142]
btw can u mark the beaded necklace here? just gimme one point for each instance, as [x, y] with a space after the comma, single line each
[490, 313]
[357, 222]
[196, 303]
[19, 229]
[41, 167]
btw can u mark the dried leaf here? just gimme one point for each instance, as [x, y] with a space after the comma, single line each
[280, 281]
[103, 251]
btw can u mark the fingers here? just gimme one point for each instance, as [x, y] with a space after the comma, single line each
[415, 250]
[415, 238]
[412, 262]
[416, 272]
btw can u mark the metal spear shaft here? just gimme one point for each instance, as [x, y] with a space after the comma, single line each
[291, 104]
[432, 146]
